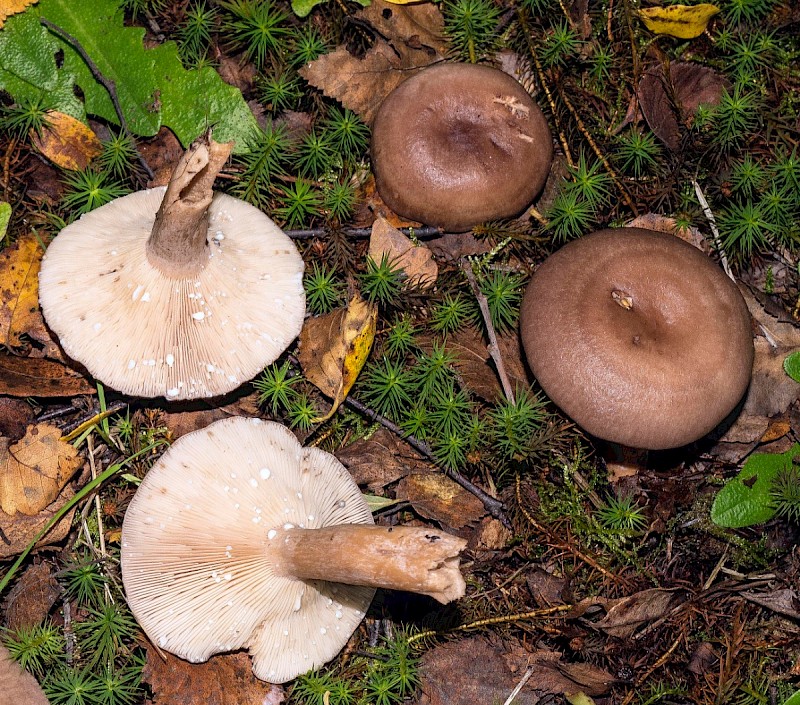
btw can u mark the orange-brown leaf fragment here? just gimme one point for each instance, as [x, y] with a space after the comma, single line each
[35, 377]
[12, 7]
[436, 496]
[334, 348]
[415, 260]
[67, 142]
[19, 289]
[35, 469]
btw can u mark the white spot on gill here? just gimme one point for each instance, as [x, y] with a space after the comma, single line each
[137, 292]
[198, 316]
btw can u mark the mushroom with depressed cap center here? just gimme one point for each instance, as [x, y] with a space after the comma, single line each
[176, 292]
[456, 145]
[638, 336]
[238, 537]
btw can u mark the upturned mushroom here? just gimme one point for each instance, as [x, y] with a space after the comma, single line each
[456, 145]
[177, 292]
[638, 336]
[238, 537]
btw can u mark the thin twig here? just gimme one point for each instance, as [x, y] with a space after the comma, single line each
[526, 676]
[361, 233]
[107, 83]
[493, 347]
[492, 505]
[712, 223]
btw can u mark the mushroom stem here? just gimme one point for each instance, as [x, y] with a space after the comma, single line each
[399, 557]
[623, 461]
[178, 243]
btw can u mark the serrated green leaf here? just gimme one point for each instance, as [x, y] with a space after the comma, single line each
[28, 66]
[791, 365]
[5, 216]
[745, 499]
[222, 107]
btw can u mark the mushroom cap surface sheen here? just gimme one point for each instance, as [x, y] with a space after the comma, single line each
[459, 144]
[149, 334]
[638, 336]
[195, 544]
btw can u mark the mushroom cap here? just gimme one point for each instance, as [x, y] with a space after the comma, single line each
[194, 549]
[638, 336]
[459, 144]
[148, 334]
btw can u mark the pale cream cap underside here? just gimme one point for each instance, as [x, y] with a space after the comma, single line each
[194, 541]
[149, 335]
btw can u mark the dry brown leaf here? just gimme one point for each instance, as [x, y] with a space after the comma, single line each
[17, 532]
[379, 460]
[694, 85]
[15, 415]
[412, 40]
[223, 680]
[657, 106]
[625, 615]
[492, 535]
[334, 348]
[12, 7]
[19, 686]
[33, 594]
[784, 601]
[435, 496]
[35, 469]
[665, 224]
[19, 289]
[67, 142]
[415, 260]
[35, 377]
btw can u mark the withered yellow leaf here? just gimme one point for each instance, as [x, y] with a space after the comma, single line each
[19, 289]
[415, 260]
[334, 348]
[35, 469]
[67, 142]
[682, 21]
[12, 7]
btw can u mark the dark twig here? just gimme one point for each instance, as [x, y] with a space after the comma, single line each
[361, 233]
[492, 505]
[493, 347]
[107, 83]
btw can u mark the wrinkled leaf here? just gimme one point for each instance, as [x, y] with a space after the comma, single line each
[435, 496]
[33, 595]
[657, 107]
[334, 348]
[5, 216]
[18, 531]
[415, 260]
[624, 616]
[67, 142]
[379, 460]
[791, 365]
[783, 600]
[745, 499]
[35, 469]
[682, 21]
[694, 85]
[19, 289]
[35, 377]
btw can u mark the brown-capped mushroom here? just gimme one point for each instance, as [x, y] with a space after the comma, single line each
[638, 336]
[238, 537]
[176, 292]
[456, 145]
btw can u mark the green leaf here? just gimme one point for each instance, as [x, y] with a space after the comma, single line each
[791, 365]
[745, 499]
[302, 7]
[5, 216]
[28, 66]
[793, 699]
[377, 503]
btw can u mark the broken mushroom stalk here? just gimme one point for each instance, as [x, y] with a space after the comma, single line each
[238, 537]
[178, 292]
[639, 337]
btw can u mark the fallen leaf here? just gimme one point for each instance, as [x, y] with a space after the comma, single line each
[782, 600]
[665, 224]
[547, 589]
[19, 289]
[435, 496]
[5, 216]
[12, 7]
[657, 106]
[682, 21]
[222, 680]
[35, 377]
[67, 142]
[379, 460]
[415, 260]
[625, 615]
[15, 415]
[19, 686]
[16, 533]
[182, 422]
[334, 348]
[35, 469]
[33, 594]
[702, 660]
[694, 85]
[413, 40]
[492, 535]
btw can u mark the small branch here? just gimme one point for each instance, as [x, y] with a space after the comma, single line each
[492, 505]
[107, 83]
[493, 347]
[712, 222]
[361, 233]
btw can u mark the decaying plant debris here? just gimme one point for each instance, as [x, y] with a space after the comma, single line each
[677, 583]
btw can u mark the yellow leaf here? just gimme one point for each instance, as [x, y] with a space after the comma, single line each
[12, 7]
[19, 289]
[35, 469]
[67, 142]
[682, 21]
[334, 348]
[579, 699]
